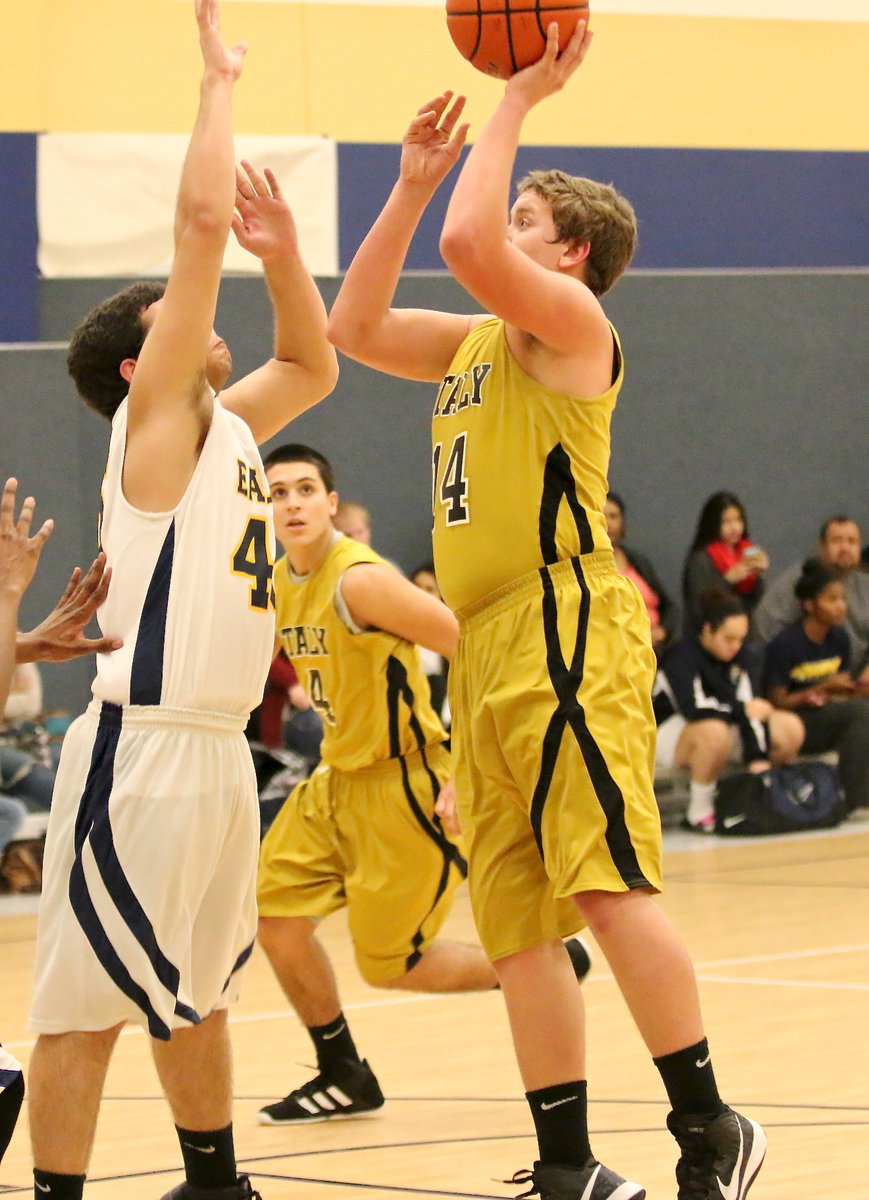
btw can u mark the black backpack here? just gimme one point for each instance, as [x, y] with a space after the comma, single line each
[782, 799]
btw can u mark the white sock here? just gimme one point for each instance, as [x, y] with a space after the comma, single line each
[702, 802]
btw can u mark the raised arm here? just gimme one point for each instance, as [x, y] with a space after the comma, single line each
[411, 343]
[477, 240]
[378, 597]
[169, 405]
[304, 368]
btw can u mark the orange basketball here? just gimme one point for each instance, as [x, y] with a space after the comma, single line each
[500, 37]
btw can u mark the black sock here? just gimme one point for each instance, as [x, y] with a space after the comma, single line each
[333, 1042]
[209, 1157]
[690, 1080]
[561, 1119]
[11, 1096]
[61, 1187]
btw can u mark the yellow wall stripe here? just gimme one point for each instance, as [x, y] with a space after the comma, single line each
[355, 73]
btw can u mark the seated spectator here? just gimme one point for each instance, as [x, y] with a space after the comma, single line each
[706, 710]
[722, 556]
[286, 716]
[12, 814]
[807, 670]
[353, 520]
[839, 550]
[28, 761]
[434, 664]
[637, 567]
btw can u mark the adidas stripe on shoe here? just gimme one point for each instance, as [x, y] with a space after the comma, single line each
[352, 1091]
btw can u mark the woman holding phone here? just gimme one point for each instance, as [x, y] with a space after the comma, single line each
[722, 556]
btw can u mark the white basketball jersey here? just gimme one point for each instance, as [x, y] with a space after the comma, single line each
[191, 590]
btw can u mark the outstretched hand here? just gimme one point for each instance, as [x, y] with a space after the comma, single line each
[60, 636]
[552, 70]
[222, 60]
[262, 223]
[432, 144]
[19, 552]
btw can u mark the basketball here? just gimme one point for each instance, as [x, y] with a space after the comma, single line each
[500, 37]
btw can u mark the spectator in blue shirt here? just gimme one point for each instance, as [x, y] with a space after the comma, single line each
[808, 670]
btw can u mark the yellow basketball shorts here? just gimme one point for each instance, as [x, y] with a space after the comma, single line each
[368, 840]
[553, 741]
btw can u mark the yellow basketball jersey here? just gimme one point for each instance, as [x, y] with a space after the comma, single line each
[367, 686]
[519, 470]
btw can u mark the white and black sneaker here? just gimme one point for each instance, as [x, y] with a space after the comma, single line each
[721, 1155]
[351, 1091]
[552, 1181]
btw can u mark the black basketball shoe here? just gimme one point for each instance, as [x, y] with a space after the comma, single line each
[351, 1091]
[721, 1155]
[552, 1181]
[240, 1190]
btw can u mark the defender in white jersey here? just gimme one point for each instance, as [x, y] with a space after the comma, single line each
[148, 910]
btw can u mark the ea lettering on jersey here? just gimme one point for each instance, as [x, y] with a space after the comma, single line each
[249, 485]
[305, 640]
[459, 391]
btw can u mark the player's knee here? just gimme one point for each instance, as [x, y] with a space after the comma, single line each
[382, 975]
[284, 935]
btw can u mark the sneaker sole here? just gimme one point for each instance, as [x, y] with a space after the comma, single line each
[263, 1118]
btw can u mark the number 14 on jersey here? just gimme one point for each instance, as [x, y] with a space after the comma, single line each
[450, 488]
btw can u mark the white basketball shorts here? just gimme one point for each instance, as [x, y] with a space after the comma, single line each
[148, 907]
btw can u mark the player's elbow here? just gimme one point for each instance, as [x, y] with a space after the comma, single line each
[205, 223]
[349, 334]
[324, 374]
[461, 246]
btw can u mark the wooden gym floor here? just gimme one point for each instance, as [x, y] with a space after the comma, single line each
[779, 929]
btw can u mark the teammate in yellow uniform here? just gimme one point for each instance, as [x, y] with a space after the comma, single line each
[550, 685]
[363, 831]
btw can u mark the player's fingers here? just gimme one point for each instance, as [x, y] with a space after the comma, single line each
[452, 114]
[243, 185]
[257, 181]
[437, 105]
[579, 42]
[274, 186]
[459, 138]
[551, 51]
[41, 536]
[102, 590]
[102, 645]
[7, 505]
[91, 580]
[70, 587]
[25, 517]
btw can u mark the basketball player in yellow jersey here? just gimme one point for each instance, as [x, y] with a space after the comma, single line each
[363, 831]
[550, 685]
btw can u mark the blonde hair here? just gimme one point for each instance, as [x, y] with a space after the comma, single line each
[584, 210]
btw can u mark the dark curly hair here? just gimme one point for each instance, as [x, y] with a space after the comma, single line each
[110, 333]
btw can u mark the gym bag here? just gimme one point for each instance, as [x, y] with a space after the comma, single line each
[779, 800]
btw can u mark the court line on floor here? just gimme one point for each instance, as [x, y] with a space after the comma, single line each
[598, 977]
[248, 1162]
